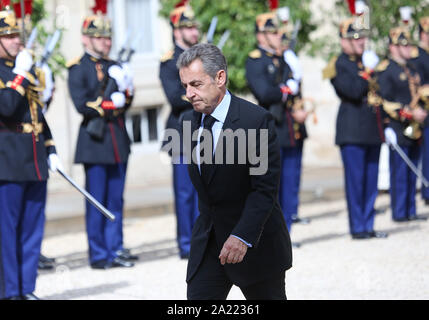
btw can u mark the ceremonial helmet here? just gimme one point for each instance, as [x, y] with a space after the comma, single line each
[268, 21]
[182, 16]
[354, 27]
[98, 25]
[8, 20]
[400, 36]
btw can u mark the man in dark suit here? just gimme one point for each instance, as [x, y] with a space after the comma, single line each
[241, 226]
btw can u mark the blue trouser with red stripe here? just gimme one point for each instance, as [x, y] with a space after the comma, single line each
[186, 205]
[106, 183]
[403, 183]
[22, 220]
[290, 179]
[361, 174]
[425, 162]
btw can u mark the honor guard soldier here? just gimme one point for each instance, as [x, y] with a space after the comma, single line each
[27, 150]
[185, 35]
[399, 85]
[359, 127]
[420, 61]
[271, 82]
[299, 115]
[100, 88]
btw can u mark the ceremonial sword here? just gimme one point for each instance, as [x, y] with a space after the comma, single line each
[90, 198]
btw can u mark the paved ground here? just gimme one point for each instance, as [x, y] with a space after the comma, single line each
[328, 265]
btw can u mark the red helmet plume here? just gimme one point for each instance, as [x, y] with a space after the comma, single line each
[100, 6]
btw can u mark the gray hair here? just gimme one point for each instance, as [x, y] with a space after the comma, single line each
[211, 56]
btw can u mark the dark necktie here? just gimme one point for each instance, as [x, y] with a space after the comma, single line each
[208, 123]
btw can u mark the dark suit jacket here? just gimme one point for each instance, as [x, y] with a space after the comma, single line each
[236, 203]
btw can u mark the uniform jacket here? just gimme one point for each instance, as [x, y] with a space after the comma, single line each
[357, 121]
[237, 203]
[174, 91]
[421, 63]
[90, 89]
[395, 91]
[25, 137]
[264, 73]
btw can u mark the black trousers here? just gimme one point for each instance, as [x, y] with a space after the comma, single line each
[212, 283]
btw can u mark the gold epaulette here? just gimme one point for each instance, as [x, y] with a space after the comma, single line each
[167, 56]
[2, 85]
[414, 52]
[255, 54]
[392, 108]
[382, 65]
[73, 62]
[330, 70]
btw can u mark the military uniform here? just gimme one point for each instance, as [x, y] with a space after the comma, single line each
[185, 195]
[420, 62]
[267, 75]
[359, 133]
[394, 80]
[103, 146]
[25, 144]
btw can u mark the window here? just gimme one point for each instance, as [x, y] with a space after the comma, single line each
[138, 18]
[143, 126]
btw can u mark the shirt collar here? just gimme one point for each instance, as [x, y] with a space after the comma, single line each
[221, 111]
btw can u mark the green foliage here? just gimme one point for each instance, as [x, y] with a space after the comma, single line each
[238, 16]
[384, 15]
[57, 62]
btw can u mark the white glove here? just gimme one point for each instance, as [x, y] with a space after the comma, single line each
[129, 77]
[54, 162]
[370, 59]
[390, 136]
[49, 83]
[23, 63]
[293, 86]
[118, 99]
[293, 62]
[117, 73]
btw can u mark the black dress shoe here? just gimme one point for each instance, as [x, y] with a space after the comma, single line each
[184, 256]
[296, 245]
[121, 263]
[378, 234]
[401, 219]
[29, 296]
[296, 219]
[101, 265]
[417, 217]
[12, 298]
[426, 201]
[126, 255]
[46, 259]
[361, 235]
[44, 265]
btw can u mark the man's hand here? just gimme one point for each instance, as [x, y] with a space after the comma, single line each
[23, 63]
[233, 251]
[300, 115]
[419, 114]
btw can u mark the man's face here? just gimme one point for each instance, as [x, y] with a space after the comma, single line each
[12, 44]
[405, 51]
[424, 39]
[274, 40]
[204, 92]
[100, 46]
[189, 35]
[358, 46]
[353, 46]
